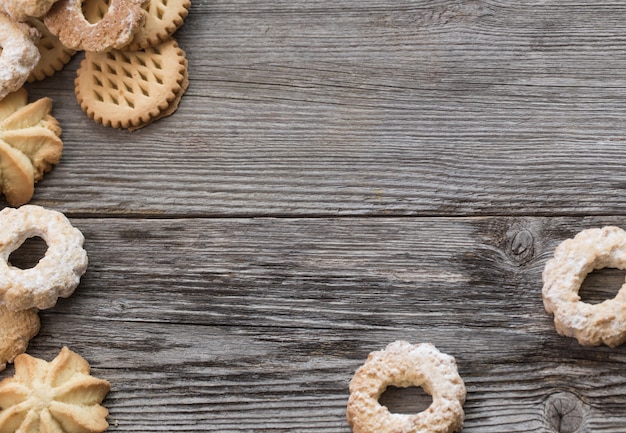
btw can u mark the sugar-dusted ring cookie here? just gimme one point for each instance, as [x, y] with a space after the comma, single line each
[115, 30]
[18, 54]
[563, 275]
[21, 10]
[403, 364]
[58, 272]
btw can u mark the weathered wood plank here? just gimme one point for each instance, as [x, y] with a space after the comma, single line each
[369, 108]
[258, 324]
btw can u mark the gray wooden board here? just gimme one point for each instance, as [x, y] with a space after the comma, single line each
[340, 175]
[258, 324]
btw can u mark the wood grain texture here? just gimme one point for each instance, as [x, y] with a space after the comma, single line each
[371, 108]
[340, 175]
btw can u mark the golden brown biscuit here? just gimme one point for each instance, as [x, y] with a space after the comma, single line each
[402, 364]
[32, 130]
[115, 30]
[30, 145]
[17, 178]
[163, 19]
[173, 105]
[60, 396]
[129, 89]
[53, 54]
[17, 328]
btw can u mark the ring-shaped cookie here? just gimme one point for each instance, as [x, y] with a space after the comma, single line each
[18, 56]
[402, 364]
[115, 30]
[563, 275]
[58, 272]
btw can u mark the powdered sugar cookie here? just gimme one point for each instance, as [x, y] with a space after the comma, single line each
[403, 364]
[115, 30]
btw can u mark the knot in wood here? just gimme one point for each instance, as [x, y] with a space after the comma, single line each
[564, 413]
[521, 247]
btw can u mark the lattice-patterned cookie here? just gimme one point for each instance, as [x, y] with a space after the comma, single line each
[54, 55]
[164, 17]
[129, 89]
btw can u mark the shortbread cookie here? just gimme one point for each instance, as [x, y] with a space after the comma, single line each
[17, 328]
[129, 89]
[30, 145]
[54, 397]
[54, 55]
[173, 105]
[402, 364]
[115, 30]
[164, 17]
[17, 178]
[58, 272]
[18, 54]
[31, 129]
[21, 10]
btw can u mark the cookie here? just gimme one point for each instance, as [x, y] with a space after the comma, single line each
[18, 54]
[18, 178]
[130, 89]
[53, 54]
[58, 396]
[117, 27]
[30, 145]
[58, 272]
[17, 328]
[164, 17]
[402, 364]
[21, 10]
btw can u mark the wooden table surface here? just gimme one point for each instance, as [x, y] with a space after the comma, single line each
[340, 175]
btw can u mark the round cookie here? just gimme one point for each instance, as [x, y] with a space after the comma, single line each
[563, 275]
[164, 17]
[402, 364]
[129, 89]
[58, 272]
[54, 55]
[116, 28]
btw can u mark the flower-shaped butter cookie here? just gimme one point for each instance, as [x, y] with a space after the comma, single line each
[54, 397]
[30, 145]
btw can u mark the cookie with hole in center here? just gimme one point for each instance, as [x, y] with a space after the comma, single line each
[163, 18]
[130, 89]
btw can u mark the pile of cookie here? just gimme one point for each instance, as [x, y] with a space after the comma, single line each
[133, 73]
[61, 395]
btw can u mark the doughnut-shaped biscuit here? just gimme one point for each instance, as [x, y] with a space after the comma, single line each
[402, 364]
[590, 324]
[115, 30]
[18, 54]
[58, 272]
